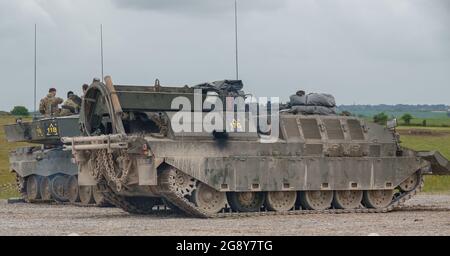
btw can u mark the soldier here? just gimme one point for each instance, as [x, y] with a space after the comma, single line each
[72, 105]
[49, 105]
[85, 88]
[301, 93]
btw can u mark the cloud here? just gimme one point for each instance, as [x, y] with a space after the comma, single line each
[200, 7]
[371, 51]
[29, 12]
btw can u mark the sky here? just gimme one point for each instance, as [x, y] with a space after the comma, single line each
[361, 51]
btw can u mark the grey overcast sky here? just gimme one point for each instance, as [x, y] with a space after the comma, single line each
[362, 51]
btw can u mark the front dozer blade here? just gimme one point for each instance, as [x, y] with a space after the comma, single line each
[439, 164]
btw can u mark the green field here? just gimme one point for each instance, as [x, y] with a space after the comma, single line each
[439, 142]
[7, 181]
[420, 115]
[432, 122]
[417, 122]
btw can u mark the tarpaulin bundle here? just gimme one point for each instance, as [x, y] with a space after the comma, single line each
[312, 104]
[312, 110]
[229, 86]
[314, 99]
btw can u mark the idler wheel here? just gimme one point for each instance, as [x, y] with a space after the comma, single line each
[181, 183]
[86, 195]
[44, 187]
[316, 200]
[410, 183]
[246, 201]
[378, 199]
[33, 191]
[348, 199]
[73, 193]
[281, 201]
[208, 199]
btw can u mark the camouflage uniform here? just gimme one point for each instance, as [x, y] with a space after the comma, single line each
[49, 105]
[70, 107]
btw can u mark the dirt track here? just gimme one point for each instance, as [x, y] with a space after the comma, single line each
[25, 219]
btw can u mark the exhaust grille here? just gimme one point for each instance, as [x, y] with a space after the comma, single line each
[310, 129]
[334, 129]
[355, 128]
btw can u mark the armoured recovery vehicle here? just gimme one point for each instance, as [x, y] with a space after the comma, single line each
[44, 172]
[318, 163]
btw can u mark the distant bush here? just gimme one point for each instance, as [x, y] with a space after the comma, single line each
[380, 118]
[346, 113]
[20, 111]
[407, 118]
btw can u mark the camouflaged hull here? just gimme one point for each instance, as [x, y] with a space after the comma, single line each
[47, 157]
[44, 171]
[316, 163]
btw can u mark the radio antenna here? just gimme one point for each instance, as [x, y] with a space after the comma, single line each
[101, 47]
[35, 68]
[236, 33]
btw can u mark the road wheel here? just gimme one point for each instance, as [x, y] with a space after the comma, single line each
[208, 199]
[44, 187]
[281, 201]
[378, 199]
[410, 183]
[347, 199]
[59, 188]
[246, 201]
[33, 191]
[316, 200]
[73, 192]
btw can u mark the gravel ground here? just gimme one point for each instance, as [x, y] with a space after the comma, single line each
[57, 220]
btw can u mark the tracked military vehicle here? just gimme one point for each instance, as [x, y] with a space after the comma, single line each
[318, 163]
[44, 172]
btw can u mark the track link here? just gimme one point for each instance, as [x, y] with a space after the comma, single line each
[169, 193]
[191, 210]
[133, 208]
